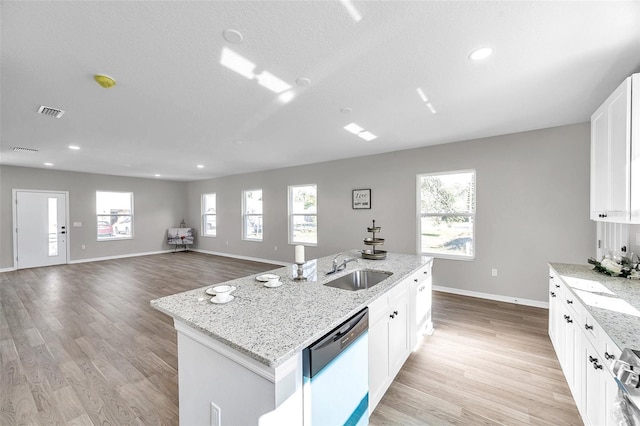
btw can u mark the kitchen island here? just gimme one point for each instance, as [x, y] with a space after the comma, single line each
[243, 359]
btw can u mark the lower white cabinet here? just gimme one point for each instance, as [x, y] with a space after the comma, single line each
[585, 352]
[388, 340]
[420, 290]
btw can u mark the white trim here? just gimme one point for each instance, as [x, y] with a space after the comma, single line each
[14, 193]
[120, 256]
[237, 256]
[11, 269]
[496, 297]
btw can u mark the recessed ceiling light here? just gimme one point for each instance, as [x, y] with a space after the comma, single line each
[74, 147]
[431, 108]
[353, 128]
[367, 136]
[200, 166]
[233, 36]
[303, 81]
[48, 164]
[128, 165]
[345, 110]
[481, 53]
[157, 175]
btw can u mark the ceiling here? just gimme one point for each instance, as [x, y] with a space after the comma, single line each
[175, 106]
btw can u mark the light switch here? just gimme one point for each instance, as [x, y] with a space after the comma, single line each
[77, 224]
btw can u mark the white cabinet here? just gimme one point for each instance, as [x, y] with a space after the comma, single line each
[420, 291]
[615, 160]
[388, 340]
[585, 352]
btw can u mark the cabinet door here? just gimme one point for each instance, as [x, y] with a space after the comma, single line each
[378, 361]
[619, 111]
[594, 386]
[599, 163]
[398, 336]
[611, 157]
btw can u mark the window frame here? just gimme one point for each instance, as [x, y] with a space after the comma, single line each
[246, 215]
[471, 215]
[292, 215]
[113, 237]
[203, 210]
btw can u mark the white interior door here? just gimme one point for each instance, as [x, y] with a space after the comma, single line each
[41, 228]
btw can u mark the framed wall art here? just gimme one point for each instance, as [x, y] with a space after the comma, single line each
[361, 199]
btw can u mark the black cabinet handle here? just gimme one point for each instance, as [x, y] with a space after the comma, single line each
[597, 366]
[568, 319]
[557, 285]
[552, 294]
[609, 356]
[588, 327]
[415, 280]
[569, 302]
[592, 359]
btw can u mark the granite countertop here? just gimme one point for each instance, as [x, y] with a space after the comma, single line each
[613, 302]
[271, 325]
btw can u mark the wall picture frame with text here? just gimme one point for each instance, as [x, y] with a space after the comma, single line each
[361, 199]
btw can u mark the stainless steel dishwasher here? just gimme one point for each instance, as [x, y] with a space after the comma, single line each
[336, 375]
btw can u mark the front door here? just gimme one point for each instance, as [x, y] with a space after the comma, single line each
[40, 228]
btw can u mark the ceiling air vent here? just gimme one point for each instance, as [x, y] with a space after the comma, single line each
[21, 149]
[51, 112]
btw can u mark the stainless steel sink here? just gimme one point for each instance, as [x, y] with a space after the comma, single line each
[359, 280]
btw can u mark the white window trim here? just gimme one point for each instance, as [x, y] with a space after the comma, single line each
[291, 215]
[203, 222]
[112, 238]
[245, 215]
[419, 216]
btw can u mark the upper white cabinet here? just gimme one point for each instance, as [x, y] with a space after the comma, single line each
[615, 156]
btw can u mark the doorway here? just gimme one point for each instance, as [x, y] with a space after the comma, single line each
[40, 228]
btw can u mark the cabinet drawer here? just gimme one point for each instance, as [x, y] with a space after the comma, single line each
[379, 307]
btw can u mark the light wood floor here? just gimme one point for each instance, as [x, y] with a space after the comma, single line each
[79, 344]
[487, 363]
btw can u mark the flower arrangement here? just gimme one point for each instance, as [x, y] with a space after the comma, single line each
[616, 266]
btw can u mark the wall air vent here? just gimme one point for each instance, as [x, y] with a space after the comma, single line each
[51, 112]
[21, 149]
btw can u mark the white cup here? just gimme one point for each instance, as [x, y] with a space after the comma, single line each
[273, 281]
[223, 297]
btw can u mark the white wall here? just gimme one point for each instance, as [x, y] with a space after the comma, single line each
[158, 205]
[532, 207]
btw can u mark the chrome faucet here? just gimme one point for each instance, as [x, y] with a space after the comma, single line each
[339, 267]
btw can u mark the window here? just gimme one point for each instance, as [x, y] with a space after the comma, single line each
[252, 215]
[447, 204]
[303, 215]
[114, 212]
[209, 215]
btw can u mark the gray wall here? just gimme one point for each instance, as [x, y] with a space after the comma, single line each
[532, 207]
[158, 205]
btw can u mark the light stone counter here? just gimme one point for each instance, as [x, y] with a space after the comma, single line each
[612, 301]
[271, 325]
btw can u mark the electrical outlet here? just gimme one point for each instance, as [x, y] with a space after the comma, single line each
[227, 242]
[275, 248]
[494, 272]
[215, 415]
[84, 247]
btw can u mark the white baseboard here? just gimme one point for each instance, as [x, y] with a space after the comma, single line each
[237, 256]
[120, 256]
[7, 269]
[496, 297]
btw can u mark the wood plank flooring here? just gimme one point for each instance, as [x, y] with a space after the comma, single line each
[80, 345]
[487, 363]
